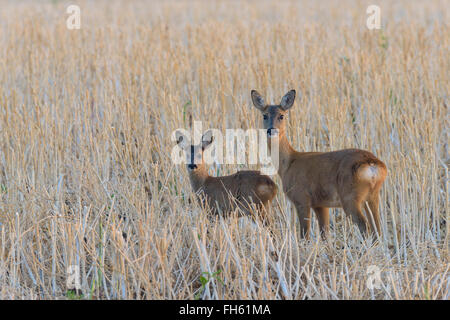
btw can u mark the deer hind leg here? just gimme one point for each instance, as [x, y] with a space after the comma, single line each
[265, 213]
[323, 216]
[259, 212]
[304, 217]
[266, 218]
[255, 211]
[373, 204]
[353, 209]
[352, 201]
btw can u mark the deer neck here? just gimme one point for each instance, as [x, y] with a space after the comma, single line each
[198, 177]
[285, 154]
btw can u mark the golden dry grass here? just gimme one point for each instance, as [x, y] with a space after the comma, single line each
[85, 123]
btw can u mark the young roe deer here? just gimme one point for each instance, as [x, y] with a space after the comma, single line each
[242, 190]
[320, 180]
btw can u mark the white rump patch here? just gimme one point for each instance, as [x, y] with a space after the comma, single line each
[264, 189]
[369, 173]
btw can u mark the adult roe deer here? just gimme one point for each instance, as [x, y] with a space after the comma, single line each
[320, 180]
[227, 193]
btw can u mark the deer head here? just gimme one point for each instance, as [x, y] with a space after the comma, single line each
[194, 153]
[274, 115]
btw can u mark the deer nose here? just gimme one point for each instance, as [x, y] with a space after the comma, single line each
[192, 166]
[271, 131]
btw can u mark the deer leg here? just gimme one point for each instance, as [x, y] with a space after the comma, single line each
[255, 213]
[267, 221]
[323, 215]
[373, 204]
[353, 209]
[264, 213]
[304, 217]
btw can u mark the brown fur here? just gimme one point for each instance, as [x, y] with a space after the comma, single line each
[320, 180]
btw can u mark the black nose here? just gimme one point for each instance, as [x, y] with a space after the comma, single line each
[192, 166]
[270, 131]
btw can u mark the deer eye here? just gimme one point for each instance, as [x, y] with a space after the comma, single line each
[265, 117]
[281, 117]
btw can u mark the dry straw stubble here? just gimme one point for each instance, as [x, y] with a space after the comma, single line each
[85, 123]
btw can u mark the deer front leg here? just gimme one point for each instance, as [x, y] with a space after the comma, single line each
[323, 215]
[304, 217]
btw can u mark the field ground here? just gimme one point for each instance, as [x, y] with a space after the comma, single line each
[86, 118]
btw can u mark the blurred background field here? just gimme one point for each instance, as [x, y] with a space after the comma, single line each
[86, 118]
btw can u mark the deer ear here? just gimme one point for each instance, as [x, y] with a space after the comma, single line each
[288, 100]
[181, 139]
[207, 139]
[258, 100]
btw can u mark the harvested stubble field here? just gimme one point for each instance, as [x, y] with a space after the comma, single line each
[85, 141]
